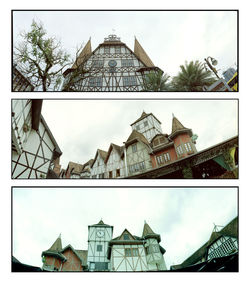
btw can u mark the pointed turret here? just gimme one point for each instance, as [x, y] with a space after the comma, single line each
[178, 128]
[176, 125]
[84, 55]
[53, 257]
[142, 55]
[57, 245]
[149, 233]
[154, 251]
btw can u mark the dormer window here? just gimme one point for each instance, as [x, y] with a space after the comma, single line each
[179, 150]
[137, 127]
[188, 147]
[117, 49]
[145, 123]
[106, 50]
[126, 237]
[163, 158]
[134, 148]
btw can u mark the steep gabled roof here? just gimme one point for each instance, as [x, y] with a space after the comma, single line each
[79, 254]
[101, 224]
[231, 229]
[57, 245]
[121, 237]
[55, 249]
[117, 148]
[144, 115]
[83, 254]
[84, 55]
[136, 136]
[74, 167]
[142, 55]
[177, 127]
[102, 153]
[148, 232]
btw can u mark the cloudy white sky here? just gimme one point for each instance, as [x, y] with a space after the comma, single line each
[169, 37]
[80, 127]
[184, 217]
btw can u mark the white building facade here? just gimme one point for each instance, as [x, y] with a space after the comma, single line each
[34, 148]
[112, 66]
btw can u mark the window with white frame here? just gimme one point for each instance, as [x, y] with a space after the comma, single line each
[97, 63]
[95, 82]
[179, 150]
[136, 167]
[106, 50]
[127, 63]
[117, 49]
[99, 248]
[129, 81]
[188, 147]
[163, 158]
[134, 147]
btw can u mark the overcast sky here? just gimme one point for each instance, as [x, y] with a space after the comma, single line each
[169, 37]
[80, 127]
[184, 217]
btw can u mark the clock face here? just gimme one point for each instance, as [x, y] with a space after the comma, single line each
[112, 63]
[100, 233]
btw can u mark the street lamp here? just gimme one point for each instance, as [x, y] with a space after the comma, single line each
[210, 65]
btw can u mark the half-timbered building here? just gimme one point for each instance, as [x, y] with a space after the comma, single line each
[126, 252]
[148, 125]
[98, 167]
[150, 153]
[112, 66]
[99, 236]
[57, 258]
[222, 243]
[137, 154]
[19, 82]
[115, 162]
[73, 171]
[35, 151]
[86, 170]
[168, 148]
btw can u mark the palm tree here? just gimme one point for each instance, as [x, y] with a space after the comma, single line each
[155, 82]
[192, 78]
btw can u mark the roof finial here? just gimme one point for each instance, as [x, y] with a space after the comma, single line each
[59, 235]
[173, 115]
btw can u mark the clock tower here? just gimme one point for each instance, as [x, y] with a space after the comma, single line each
[99, 236]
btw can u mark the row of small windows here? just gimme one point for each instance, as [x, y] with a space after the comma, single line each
[131, 252]
[152, 249]
[187, 146]
[137, 167]
[158, 141]
[112, 173]
[99, 266]
[107, 49]
[224, 249]
[124, 63]
[163, 158]
[138, 127]
[127, 81]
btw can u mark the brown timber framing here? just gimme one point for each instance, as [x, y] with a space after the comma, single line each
[36, 119]
[192, 160]
[111, 81]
